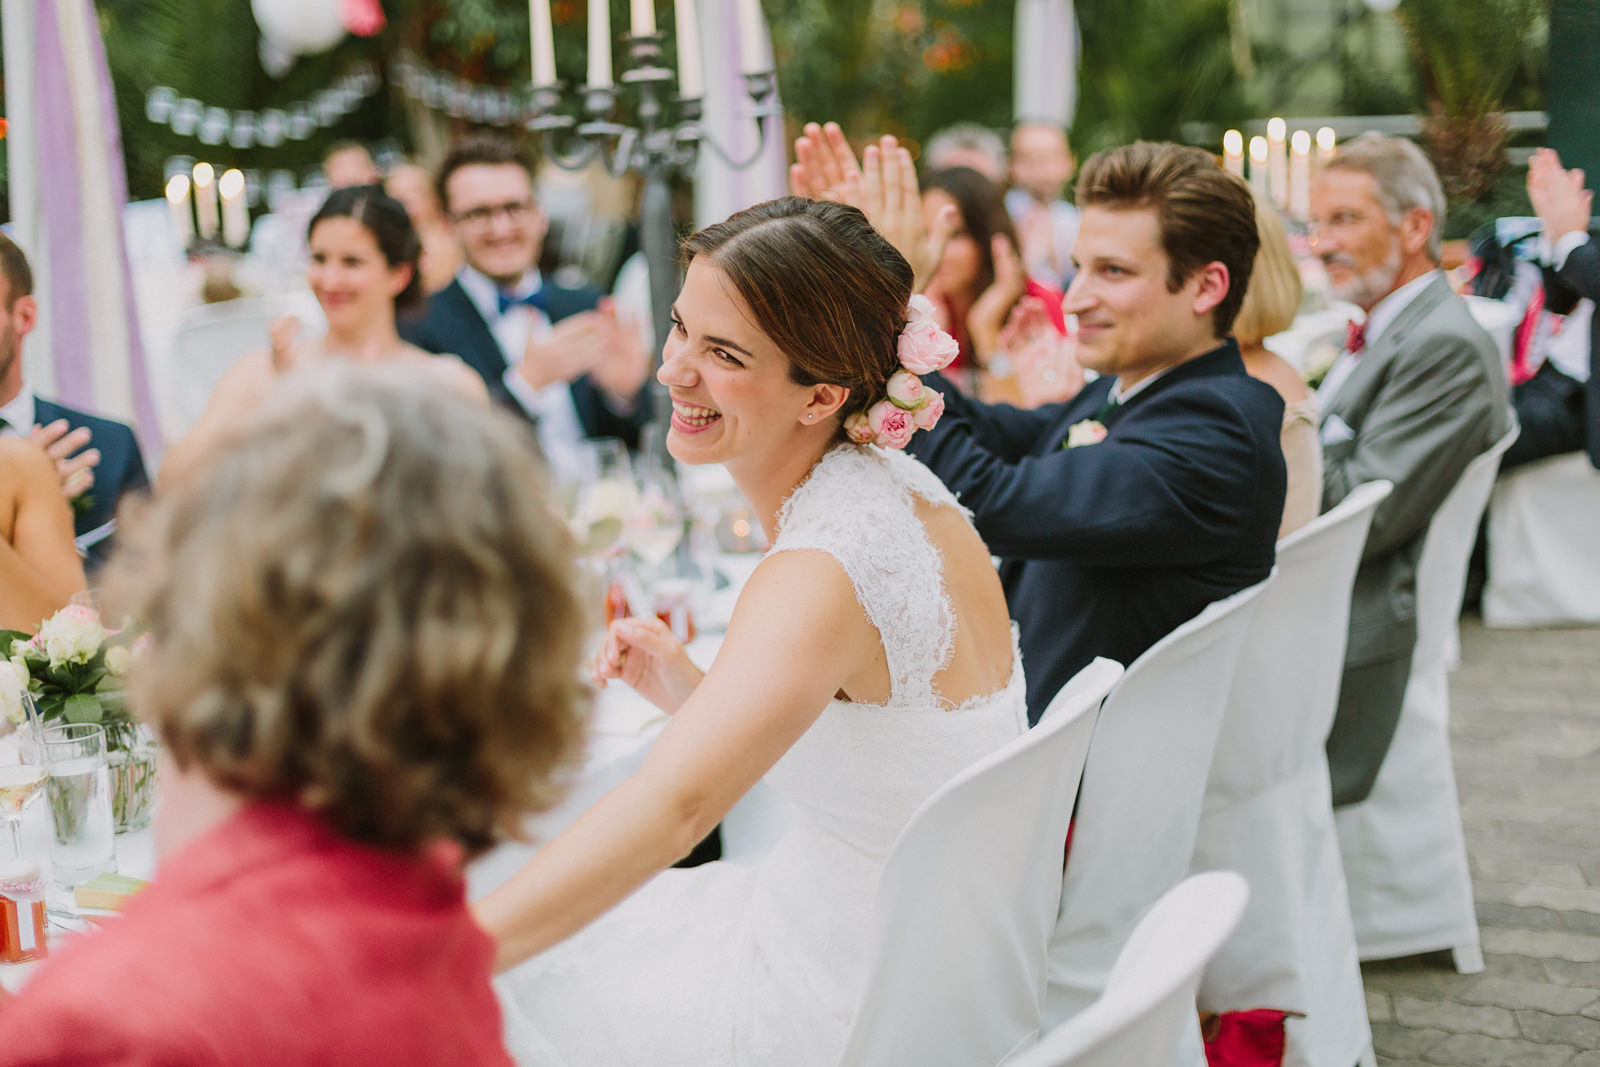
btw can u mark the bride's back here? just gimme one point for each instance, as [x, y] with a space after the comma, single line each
[980, 663]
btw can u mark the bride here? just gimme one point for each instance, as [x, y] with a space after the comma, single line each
[869, 659]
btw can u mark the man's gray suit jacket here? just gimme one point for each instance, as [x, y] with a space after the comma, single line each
[1422, 402]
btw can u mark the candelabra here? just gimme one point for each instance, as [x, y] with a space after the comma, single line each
[653, 148]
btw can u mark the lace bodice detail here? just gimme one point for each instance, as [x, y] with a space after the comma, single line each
[858, 505]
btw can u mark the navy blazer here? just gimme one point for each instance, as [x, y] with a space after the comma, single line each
[452, 323]
[119, 472]
[1107, 548]
[1579, 277]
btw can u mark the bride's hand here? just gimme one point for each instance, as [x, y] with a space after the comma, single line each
[288, 351]
[643, 654]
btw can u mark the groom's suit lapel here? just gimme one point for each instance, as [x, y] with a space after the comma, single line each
[1223, 359]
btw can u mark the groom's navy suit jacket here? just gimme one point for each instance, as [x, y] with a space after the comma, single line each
[1107, 548]
[452, 323]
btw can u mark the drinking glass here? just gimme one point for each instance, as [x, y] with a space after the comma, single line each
[21, 782]
[78, 788]
[605, 496]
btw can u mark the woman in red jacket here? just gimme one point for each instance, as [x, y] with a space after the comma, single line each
[363, 665]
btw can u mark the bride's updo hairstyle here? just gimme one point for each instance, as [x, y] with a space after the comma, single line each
[825, 286]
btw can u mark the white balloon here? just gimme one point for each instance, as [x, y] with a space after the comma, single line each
[299, 27]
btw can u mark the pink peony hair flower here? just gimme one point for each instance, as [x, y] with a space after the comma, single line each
[907, 391]
[920, 310]
[927, 416]
[858, 429]
[892, 425]
[925, 348]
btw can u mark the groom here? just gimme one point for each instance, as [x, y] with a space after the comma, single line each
[1159, 488]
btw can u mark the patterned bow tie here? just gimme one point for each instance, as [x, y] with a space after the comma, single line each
[1355, 336]
[535, 299]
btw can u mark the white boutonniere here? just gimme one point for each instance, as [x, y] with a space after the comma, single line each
[1087, 432]
[1319, 361]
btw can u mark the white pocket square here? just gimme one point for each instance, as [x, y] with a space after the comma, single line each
[1334, 430]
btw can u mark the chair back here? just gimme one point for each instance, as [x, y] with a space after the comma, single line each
[1139, 808]
[210, 339]
[1149, 999]
[1286, 686]
[1442, 567]
[969, 894]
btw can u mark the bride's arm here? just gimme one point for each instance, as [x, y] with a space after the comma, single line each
[797, 635]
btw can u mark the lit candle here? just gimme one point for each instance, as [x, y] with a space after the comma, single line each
[1233, 152]
[1278, 161]
[1325, 143]
[691, 75]
[752, 54]
[544, 43]
[599, 44]
[235, 213]
[1258, 166]
[178, 204]
[644, 17]
[205, 199]
[1300, 174]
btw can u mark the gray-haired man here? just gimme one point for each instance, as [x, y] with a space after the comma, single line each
[1417, 394]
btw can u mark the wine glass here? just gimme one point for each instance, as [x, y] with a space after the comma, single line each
[605, 496]
[655, 525]
[21, 781]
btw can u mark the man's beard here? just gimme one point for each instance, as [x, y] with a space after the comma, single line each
[1365, 290]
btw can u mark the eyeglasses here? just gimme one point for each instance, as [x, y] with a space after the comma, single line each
[514, 211]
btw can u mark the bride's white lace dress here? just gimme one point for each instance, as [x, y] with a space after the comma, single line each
[730, 963]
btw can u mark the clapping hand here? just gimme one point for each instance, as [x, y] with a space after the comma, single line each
[1043, 361]
[989, 312]
[643, 654]
[884, 187]
[601, 343]
[1558, 195]
[75, 469]
[288, 351]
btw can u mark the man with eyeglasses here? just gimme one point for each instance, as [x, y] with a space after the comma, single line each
[559, 355]
[1416, 395]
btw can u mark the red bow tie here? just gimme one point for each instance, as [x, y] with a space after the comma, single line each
[1355, 336]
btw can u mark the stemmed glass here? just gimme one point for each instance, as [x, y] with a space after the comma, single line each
[605, 497]
[23, 781]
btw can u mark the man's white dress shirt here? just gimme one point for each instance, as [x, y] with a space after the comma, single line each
[19, 414]
[561, 434]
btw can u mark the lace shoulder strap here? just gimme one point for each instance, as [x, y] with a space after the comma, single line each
[857, 507]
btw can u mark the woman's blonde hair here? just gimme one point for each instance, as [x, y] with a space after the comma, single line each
[362, 604]
[1273, 299]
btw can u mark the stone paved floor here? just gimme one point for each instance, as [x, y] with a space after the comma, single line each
[1525, 709]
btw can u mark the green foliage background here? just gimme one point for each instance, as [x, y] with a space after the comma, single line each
[910, 67]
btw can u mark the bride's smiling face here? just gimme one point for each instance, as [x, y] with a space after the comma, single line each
[732, 396]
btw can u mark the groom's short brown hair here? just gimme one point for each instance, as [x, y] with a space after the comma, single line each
[1206, 215]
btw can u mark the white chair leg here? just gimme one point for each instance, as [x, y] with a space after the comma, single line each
[1468, 958]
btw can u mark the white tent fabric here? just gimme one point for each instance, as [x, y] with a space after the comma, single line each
[720, 189]
[67, 191]
[1045, 68]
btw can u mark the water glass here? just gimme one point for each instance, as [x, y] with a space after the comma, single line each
[78, 791]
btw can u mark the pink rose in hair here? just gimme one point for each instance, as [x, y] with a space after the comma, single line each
[893, 425]
[921, 310]
[928, 414]
[906, 391]
[925, 348]
[858, 429]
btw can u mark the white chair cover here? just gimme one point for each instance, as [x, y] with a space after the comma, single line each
[1139, 808]
[968, 896]
[1149, 1000]
[1543, 570]
[1405, 857]
[1267, 811]
[211, 339]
